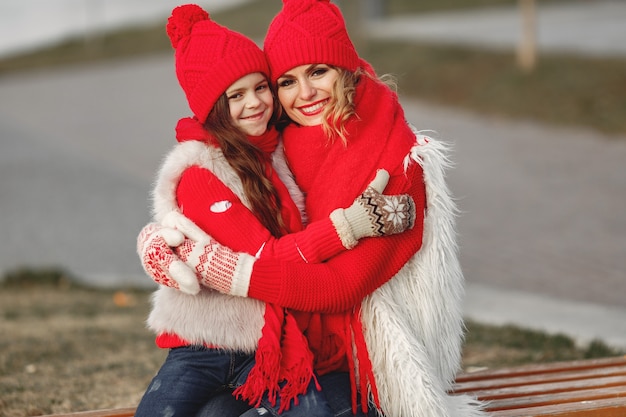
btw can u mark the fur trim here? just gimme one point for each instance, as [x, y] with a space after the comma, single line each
[415, 347]
[208, 317]
[183, 156]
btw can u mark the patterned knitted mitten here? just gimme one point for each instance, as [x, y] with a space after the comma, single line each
[374, 214]
[159, 260]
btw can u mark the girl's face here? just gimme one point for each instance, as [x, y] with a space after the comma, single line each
[304, 91]
[250, 103]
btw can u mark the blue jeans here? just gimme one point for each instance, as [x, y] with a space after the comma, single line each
[335, 387]
[192, 376]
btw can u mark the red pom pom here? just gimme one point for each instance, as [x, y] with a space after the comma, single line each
[182, 20]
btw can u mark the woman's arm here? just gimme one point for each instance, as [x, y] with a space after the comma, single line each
[332, 286]
[344, 280]
[217, 265]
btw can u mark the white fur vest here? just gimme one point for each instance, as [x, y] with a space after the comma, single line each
[208, 317]
[413, 324]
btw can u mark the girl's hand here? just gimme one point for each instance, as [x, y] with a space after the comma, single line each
[161, 263]
[180, 255]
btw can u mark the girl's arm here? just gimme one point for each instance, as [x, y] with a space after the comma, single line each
[209, 203]
[215, 209]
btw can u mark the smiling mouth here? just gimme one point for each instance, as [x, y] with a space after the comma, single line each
[255, 116]
[314, 108]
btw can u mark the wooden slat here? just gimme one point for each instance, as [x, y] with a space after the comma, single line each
[116, 412]
[613, 407]
[494, 391]
[544, 368]
[558, 398]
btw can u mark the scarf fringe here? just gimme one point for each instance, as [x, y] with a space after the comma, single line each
[263, 378]
[282, 358]
[298, 383]
[296, 366]
[366, 373]
[351, 363]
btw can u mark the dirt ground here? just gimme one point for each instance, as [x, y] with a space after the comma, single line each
[67, 349]
[73, 350]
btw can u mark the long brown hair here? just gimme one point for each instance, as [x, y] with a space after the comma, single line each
[248, 162]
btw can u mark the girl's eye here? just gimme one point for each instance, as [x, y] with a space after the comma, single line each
[235, 96]
[262, 87]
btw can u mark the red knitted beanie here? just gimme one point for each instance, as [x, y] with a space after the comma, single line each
[209, 57]
[308, 32]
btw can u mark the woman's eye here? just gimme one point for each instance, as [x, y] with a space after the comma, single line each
[285, 83]
[319, 71]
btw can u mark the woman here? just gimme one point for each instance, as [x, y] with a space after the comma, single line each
[220, 176]
[408, 287]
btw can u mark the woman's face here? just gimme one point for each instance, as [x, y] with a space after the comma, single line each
[250, 103]
[304, 91]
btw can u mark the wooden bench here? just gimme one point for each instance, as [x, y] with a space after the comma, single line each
[585, 388]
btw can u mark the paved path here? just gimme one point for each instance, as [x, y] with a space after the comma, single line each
[79, 149]
[543, 230]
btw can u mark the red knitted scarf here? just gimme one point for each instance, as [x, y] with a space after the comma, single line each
[332, 174]
[189, 128]
[283, 354]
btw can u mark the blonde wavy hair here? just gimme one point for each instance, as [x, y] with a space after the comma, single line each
[342, 106]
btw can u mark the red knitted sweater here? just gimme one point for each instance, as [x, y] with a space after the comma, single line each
[329, 174]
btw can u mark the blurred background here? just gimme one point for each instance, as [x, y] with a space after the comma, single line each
[531, 94]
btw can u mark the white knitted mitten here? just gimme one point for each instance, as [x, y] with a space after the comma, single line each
[374, 214]
[159, 260]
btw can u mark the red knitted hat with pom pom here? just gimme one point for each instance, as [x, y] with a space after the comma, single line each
[209, 57]
[308, 32]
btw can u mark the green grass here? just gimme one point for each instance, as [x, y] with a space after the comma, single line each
[510, 345]
[563, 89]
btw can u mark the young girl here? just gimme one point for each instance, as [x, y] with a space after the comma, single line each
[220, 176]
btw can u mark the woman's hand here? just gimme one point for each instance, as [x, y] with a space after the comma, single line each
[374, 214]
